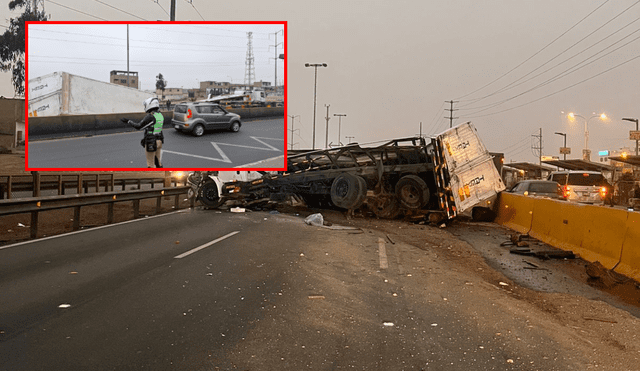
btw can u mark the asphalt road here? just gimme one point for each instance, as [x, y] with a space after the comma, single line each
[256, 141]
[206, 290]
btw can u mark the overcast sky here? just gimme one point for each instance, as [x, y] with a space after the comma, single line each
[183, 54]
[512, 66]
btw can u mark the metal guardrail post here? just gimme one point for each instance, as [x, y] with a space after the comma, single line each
[136, 209]
[9, 188]
[60, 188]
[36, 183]
[76, 218]
[34, 224]
[110, 213]
[113, 184]
[79, 184]
[159, 205]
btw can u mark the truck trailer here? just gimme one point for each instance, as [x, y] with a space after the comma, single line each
[450, 174]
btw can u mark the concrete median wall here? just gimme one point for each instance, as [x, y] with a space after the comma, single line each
[81, 125]
[610, 236]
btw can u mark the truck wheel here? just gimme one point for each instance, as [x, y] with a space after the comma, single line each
[235, 126]
[482, 214]
[209, 195]
[412, 192]
[198, 130]
[385, 207]
[348, 191]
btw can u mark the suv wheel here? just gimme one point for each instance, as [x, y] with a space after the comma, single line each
[198, 130]
[235, 126]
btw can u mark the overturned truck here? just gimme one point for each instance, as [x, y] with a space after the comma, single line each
[450, 174]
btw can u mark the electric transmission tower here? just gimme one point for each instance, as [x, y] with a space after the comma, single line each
[536, 148]
[250, 67]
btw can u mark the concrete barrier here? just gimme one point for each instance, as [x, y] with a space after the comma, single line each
[81, 125]
[515, 212]
[630, 258]
[610, 236]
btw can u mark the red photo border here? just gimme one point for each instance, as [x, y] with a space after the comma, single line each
[26, 94]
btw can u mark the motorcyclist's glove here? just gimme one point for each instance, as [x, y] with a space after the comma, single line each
[125, 120]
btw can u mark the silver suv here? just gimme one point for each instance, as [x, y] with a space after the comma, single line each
[196, 117]
[582, 186]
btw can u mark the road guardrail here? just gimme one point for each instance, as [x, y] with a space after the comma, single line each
[35, 205]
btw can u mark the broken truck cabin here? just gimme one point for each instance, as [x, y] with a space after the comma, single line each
[450, 174]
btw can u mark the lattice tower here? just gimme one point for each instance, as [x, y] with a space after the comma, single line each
[250, 67]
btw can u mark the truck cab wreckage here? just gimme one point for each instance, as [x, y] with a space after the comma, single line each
[450, 174]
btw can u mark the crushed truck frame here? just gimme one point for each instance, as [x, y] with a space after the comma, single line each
[449, 174]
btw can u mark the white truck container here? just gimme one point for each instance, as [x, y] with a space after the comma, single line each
[61, 93]
[467, 171]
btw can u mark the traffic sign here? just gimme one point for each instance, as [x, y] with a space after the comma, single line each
[634, 134]
[565, 150]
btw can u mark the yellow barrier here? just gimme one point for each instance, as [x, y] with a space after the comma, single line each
[630, 259]
[515, 212]
[596, 233]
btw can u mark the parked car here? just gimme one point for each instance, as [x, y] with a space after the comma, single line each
[196, 117]
[539, 188]
[582, 186]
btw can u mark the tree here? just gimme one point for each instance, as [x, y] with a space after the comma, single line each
[12, 43]
[161, 83]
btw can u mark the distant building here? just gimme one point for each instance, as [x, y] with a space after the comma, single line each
[120, 78]
[172, 94]
[603, 158]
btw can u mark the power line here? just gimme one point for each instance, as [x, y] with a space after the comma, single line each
[76, 10]
[564, 73]
[538, 52]
[568, 87]
[194, 8]
[157, 2]
[118, 9]
[559, 54]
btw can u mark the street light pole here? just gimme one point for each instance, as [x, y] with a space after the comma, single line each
[315, 85]
[340, 116]
[565, 142]
[291, 130]
[326, 139]
[636, 121]
[586, 154]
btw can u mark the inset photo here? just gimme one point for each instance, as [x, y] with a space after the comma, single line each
[155, 95]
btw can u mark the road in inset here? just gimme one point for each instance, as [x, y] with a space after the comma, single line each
[256, 141]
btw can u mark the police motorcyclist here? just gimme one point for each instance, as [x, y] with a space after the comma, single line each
[153, 137]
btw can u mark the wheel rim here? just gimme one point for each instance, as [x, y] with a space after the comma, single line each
[199, 130]
[410, 196]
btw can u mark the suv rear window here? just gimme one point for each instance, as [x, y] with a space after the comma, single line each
[586, 179]
[543, 187]
[181, 108]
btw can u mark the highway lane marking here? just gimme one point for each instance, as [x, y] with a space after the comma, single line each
[382, 254]
[222, 158]
[205, 245]
[267, 147]
[91, 229]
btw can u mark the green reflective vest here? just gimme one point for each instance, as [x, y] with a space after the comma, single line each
[157, 127]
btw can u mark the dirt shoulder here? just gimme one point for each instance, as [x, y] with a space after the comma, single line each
[605, 335]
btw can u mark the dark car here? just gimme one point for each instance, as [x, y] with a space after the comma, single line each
[196, 117]
[540, 188]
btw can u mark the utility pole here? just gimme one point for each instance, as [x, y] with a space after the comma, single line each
[250, 67]
[326, 140]
[451, 112]
[128, 78]
[538, 150]
[291, 130]
[173, 10]
[340, 116]
[275, 47]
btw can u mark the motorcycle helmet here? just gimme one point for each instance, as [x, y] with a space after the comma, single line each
[151, 103]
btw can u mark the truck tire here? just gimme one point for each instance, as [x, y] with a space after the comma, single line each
[412, 192]
[348, 191]
[209, 195]
[385, 207]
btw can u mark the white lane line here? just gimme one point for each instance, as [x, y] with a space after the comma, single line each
[92, 229]
[382, 253]
[205, 245]
[222, 158]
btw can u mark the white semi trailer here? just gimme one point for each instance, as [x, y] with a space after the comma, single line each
[61, 93]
